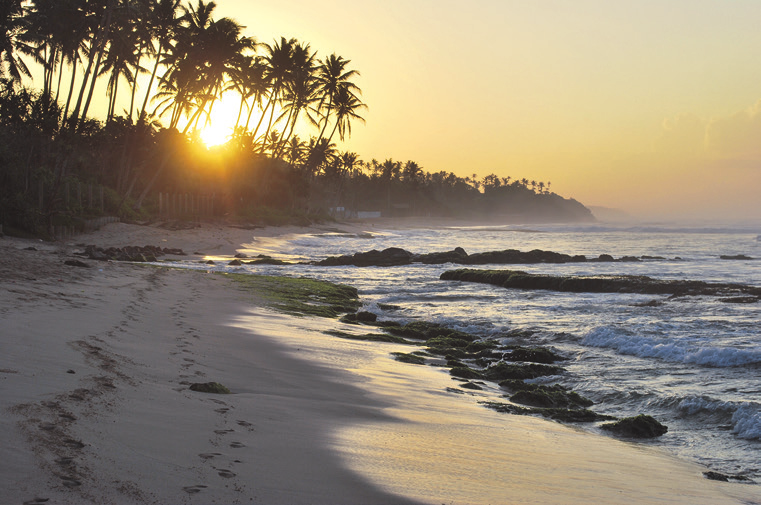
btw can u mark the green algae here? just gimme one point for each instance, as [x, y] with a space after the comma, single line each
[556, 414]
[301, 296]
[408, 358]
[502, 371]
[369, 337]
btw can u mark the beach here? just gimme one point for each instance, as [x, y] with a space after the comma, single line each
[95, 369]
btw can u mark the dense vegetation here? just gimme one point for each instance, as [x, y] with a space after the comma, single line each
[171, 63]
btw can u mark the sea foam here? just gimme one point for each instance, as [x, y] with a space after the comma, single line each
[670, 350]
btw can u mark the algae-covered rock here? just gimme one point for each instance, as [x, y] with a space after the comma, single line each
[502, 371]
[408, 358]
[533, 355]
[210, 387]
[465, 373]
[555, 396]
[360, 317]
[641, 426]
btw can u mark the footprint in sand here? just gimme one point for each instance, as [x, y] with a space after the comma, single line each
[64, 461]
[247, 425]
[227, 474]
[70, 481]
[74, 444]
[194, 489]
[209, 455]
[223, 432]
[222, 410]
[36, 501]
[237, 445]
[47, 426]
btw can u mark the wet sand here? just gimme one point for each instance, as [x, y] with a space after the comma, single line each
[95, 368]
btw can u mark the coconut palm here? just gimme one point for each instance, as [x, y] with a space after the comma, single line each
[331, 76]
[347, 106]
[163, 23]
[279, 65]
[12, 27]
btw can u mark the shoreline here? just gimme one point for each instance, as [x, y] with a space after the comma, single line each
[312, 418]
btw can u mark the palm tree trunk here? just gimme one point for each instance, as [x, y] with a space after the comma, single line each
[150, 82]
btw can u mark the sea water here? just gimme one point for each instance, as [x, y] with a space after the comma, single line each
[693, 363]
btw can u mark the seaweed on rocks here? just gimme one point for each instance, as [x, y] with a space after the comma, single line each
[502, 371]
[533, 355]
[302, 296]
[557, 414]
[370, 337]
[535, 395]
[408, 358]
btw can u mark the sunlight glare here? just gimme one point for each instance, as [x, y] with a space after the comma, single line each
[220, 127]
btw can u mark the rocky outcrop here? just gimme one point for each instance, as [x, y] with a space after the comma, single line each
[516, 279]
[395, 256]
[129, 253]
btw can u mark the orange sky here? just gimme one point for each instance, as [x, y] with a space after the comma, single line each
[650, 106]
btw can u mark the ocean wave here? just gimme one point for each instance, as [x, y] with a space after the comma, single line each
[745, 416]
[670, 350]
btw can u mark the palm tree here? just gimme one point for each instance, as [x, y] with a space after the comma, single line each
[120, 54]
[279, 66]
[331, 76]
[12, 24]
[163, 23]
[347, 107]
[300, 90]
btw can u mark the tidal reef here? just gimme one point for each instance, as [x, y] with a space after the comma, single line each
[516, 279]
[395, 256]
[301, 296]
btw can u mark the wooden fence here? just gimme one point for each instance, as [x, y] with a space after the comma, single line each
[85, 226]
[186, 205]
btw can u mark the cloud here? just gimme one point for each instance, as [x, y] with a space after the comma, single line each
[683, 135]
[737, 137]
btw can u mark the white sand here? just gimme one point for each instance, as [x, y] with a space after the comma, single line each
[313, 419]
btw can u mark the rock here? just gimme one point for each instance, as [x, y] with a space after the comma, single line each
[533, 355]
[641, 426]
[210, 262]
[235, 263]
[393, 256]
[736, 257]
[517, 257]
[605, 258]
[516, 279]
[210, 387]
[241, 256]
[76, 263]
[711, 475]
[360, 317]
[502, 371]
[457, 255]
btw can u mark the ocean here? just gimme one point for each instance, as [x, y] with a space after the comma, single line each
[693, 363]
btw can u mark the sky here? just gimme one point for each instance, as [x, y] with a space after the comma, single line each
[649, 106]
[652, 107]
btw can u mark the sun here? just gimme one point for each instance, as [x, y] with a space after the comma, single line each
[224, 114]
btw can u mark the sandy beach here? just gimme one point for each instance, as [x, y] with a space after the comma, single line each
[95, 368]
